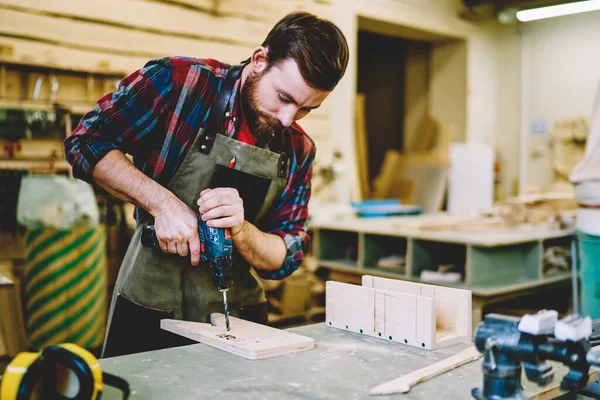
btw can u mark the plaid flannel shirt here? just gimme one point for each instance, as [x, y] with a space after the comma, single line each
[145, 117]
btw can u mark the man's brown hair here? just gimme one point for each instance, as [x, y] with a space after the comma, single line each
[316, 44]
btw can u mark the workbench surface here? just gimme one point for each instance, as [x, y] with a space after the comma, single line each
[343, 365]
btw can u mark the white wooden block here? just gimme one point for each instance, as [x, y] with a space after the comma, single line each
[368, 281]
[401, 318]
[453, 306]
[426, 290]
[350, 307]
[420, 315]
[426, 326]
[379, 314]
[391, 284]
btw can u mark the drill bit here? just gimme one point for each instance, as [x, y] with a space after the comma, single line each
[226, 310]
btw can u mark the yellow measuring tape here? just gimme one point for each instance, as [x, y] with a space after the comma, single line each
[59, 371]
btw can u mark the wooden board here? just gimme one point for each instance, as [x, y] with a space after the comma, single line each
[361, 145]
[422, 174]
[426, 136]
[471, 180]
[246, 339]
[67, 57]
[405, 382]
[163, 18]
[75, 34]
[273, 10]
[552, 390]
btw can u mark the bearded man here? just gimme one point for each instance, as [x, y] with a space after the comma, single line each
[217, 141]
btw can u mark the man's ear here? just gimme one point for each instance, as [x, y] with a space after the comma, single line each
[259, 59]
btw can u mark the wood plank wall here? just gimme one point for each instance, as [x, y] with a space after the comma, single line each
[120, 36]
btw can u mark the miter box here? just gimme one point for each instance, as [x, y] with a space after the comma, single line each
[415, 314]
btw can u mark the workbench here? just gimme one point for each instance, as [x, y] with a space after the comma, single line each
[343, 365]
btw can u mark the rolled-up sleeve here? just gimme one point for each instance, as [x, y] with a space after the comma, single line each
[290, 218]
[122, 119]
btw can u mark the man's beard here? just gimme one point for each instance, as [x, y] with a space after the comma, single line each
[271, 126]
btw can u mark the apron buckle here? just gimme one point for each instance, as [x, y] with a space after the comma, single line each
[282, 165]
[206, 143]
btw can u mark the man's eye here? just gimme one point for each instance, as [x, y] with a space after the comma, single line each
[283, 99]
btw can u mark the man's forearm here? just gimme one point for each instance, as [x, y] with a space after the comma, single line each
[262, 250]
[115, 173]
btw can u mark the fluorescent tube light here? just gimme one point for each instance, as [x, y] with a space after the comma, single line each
[557, 11]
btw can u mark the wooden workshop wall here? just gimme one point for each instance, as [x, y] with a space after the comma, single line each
[122, 35]
[448, 87]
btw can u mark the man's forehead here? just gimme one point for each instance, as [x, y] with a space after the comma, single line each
[287, 78]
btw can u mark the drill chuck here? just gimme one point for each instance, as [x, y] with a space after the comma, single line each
[221, 272]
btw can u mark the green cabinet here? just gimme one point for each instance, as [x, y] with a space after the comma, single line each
[485, 262]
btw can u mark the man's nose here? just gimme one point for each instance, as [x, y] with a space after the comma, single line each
[286, 115]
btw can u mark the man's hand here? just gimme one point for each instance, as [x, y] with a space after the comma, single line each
[176, 227]
[175, 224]
[222, 208]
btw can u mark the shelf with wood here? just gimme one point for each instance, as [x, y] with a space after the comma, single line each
[431, 258]
[35, 165]
[298, 298]
[73, 107]
[384, 253]
[338, 247]
[31, 86]
[506, 261]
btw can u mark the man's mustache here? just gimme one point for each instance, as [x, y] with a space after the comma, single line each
[270, 122]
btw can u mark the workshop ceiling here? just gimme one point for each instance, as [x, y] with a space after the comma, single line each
[482, 10]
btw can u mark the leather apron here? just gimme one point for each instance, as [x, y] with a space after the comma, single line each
[153, 285]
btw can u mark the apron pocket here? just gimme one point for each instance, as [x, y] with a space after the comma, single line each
[135, 328]
[252, 188]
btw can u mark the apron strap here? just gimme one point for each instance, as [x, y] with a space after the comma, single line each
[279, 144]
[215, 117]
[284, 157]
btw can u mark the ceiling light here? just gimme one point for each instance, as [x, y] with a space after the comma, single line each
[507, 16]
[559, 10]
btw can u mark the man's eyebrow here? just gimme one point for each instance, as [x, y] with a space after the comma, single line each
[287, 96]
[291, 99]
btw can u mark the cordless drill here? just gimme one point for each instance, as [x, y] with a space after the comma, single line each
[216, 247]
